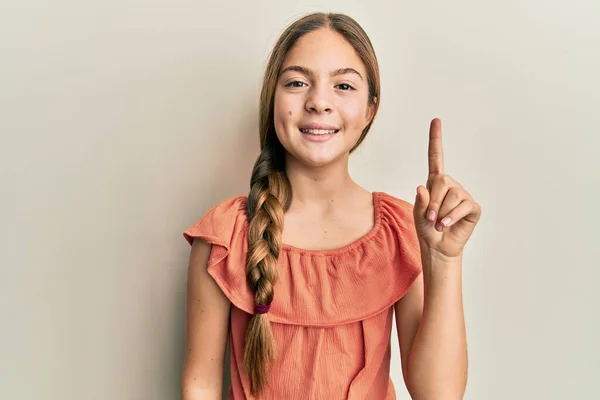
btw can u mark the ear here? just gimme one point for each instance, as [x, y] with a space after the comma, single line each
[371, 110]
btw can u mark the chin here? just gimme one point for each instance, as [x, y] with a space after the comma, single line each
[319, 161]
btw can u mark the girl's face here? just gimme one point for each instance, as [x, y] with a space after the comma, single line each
[321, 100]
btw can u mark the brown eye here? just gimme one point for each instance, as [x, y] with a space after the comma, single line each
[295, 84]
[345, 86]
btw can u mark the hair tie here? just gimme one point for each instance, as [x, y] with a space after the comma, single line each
[261, 308]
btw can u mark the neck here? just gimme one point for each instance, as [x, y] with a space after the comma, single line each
[318, 187]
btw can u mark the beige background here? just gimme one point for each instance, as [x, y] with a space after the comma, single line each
[123, 121]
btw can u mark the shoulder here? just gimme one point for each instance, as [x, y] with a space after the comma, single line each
[398, 225]
[220, 221]
[389, 198]
[394, 209]
[224, 227]
[231, 207]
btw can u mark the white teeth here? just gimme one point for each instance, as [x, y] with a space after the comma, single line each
[319, 131]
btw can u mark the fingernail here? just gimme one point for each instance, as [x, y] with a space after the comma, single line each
[446, 221]
[431, 215]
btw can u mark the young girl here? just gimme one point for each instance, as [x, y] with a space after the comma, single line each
[304, 274]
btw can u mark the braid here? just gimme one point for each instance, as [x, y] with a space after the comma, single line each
[269, 197]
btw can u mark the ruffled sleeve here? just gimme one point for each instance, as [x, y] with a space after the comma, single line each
[404, 246]
[225, 227]
[397, 243]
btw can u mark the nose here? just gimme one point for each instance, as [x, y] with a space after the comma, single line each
[318, 100]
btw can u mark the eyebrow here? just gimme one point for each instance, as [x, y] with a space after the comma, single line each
[308, 72]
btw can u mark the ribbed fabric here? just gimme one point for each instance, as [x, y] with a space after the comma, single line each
[332, 309]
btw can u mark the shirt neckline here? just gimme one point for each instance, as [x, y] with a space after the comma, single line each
[357, 242]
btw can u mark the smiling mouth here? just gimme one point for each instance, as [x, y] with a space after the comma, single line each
[319, 131]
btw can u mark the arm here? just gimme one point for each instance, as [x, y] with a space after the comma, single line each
[207, 326]
[434, 353]
[431, 332]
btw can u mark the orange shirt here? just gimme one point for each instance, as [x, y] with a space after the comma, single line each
[332, 309]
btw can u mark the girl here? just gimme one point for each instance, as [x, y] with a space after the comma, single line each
[304, 274]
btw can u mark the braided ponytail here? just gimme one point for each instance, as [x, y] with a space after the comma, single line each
[269, 197]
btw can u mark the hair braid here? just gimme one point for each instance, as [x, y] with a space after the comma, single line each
[268, 199]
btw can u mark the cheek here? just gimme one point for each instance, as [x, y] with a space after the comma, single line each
[284, 114]
[355, 113]
[282, 108]
[286, 110]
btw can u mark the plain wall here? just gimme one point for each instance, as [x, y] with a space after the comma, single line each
[122, 122]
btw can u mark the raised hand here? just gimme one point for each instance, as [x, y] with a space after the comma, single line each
[445, 213]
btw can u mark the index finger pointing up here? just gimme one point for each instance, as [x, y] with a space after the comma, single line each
[436, 152]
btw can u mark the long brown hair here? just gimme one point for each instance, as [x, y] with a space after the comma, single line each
[270, 190]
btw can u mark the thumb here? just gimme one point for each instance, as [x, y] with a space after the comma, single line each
[421, 204]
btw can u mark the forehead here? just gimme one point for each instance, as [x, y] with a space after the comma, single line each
[323, 50]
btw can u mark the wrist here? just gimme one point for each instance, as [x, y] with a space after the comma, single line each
[440, 270]
[431, 257]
